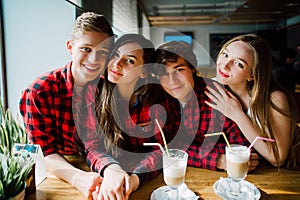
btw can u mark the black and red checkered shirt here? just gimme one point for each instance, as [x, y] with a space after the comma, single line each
[138, 126]
[46, 108]
[186, 126]
[50, 118]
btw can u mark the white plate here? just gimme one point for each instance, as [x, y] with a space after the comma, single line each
[185, 192]
[221, 185]
[157, 194]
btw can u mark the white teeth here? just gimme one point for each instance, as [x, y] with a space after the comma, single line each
[91, 68]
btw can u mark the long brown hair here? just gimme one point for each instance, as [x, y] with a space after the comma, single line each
[107, 101]
[260, 89]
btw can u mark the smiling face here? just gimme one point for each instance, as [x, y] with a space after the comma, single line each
[177, 79]
[234, 64]
[126, 64]
[89, 53]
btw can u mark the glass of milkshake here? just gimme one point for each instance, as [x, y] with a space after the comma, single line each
[174, 168]
[237, 158]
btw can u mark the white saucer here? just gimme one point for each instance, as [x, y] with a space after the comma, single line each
[184, 191]
[221, 185]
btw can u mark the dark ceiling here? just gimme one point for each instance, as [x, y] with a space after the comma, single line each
[218, 12]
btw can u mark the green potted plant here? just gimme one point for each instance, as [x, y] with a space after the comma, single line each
[14, 170]
[11, 131]
[13, 174]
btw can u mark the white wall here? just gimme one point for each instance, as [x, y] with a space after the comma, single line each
[145, 29]
[35, 34]
[124, 16]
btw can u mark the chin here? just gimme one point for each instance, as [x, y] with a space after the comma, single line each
[112, 79]
[220, 80]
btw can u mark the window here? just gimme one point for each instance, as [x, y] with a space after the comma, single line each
[179, 36]
[3, 92]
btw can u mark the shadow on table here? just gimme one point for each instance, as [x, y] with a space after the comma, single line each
[265, 196]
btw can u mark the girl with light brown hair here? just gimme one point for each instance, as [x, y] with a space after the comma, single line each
[254, 101]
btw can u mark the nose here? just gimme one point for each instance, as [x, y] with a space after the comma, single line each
[93, 57]
[225, 65]
[172, 77]
[116, 63]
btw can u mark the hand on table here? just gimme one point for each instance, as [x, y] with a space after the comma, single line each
[86, 183]
[253, 162]
[116, 184]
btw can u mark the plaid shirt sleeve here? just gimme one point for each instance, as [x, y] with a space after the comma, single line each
[96, 159]
[146, 131]
[46, 108]
[38, 119]
[89, 131]
[149, 167]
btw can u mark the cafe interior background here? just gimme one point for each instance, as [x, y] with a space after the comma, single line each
[34, 32]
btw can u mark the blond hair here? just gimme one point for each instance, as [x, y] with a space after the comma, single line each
[90, 21]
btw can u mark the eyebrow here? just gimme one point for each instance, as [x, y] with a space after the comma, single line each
[180, 65]
[133, 56]
[106, 47]
[177, 66]
[238, 57]
[86, 44]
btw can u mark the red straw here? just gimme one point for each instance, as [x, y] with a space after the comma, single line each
[260, 138]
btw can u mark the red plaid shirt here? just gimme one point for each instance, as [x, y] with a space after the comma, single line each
[138, 128]
[185, 128]
[46, 108]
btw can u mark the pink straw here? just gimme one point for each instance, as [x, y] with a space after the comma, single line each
[260, 138]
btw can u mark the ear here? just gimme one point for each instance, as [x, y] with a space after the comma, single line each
[143, 75]
[193, 70]
[250, 78]
[69, 46]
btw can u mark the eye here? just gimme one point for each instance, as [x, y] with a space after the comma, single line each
[103, 52]
[86, 49]
[225, 54]
[181, 69]
[131, 61]
[237, 63]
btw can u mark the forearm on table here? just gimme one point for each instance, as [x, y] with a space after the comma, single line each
[98, 161]
[57, 165]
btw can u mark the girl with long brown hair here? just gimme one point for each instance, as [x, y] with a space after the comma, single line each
[124, 117]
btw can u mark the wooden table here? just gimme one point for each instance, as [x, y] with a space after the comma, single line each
[273, 183]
